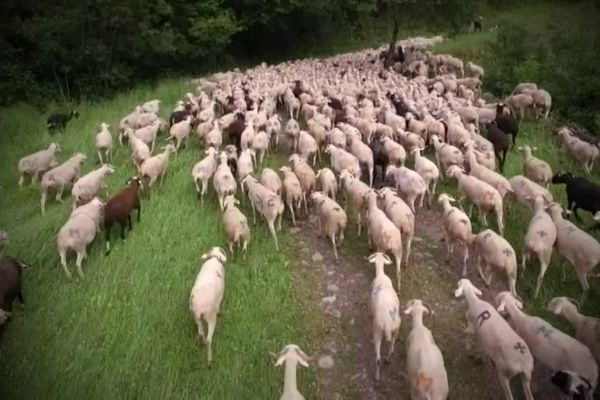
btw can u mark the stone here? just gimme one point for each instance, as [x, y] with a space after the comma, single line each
[332, 287]
[328, 300]
[317, 257]
[326, 362]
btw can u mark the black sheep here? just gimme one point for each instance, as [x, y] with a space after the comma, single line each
[60, 120]
[507, 123]
[581, 193]
[401, 108]
[380, 159]
[119, 208]
[574, 386]
[235, 130]
[11, 271]
[500, 141]
[334, 103]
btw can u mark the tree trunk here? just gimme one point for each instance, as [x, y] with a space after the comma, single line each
[389, 58]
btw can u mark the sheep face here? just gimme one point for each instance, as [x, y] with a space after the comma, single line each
[417, 306]
[4, 316]
[215, 252]
[557, 304]
[465, 284]
[505, 298]
[291, 352]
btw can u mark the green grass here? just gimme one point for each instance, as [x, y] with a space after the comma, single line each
[124, 330]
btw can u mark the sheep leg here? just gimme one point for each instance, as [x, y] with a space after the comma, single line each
[398, 259]
[582, 276]
[212, 322]
[291, 208]
[377, 336]
[564, 271]
[100, 157]
[305, 204]
[231, 247]
[129, 223]
[279, 218]
[139, 211]
[63, 262]
[107, 228]
[465, 259]
[526, 384]
[34, 178]
[245, 248]
[253, 213]
[59, 193]
[43, 201]
[470, 210]
[524, 258]
[359, 225]
[273, 233]
[334, 246]
[391, 350]
[201, 336]
[21, 180]
[80, 256]
[341, 236]
[544, 258]
[408, 244]
[483, 216]
[488, 273]
[371, 176]
[505, 384]
[479, 268]
[432, 192]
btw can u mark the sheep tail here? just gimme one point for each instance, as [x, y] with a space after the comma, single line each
[424, 383]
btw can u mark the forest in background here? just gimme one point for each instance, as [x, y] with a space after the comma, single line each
[62, 51]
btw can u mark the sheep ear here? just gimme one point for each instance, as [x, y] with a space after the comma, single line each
[575, 302]
[387, 259]
[204, 256]
[501, 307]
[280, 360]
[458, 292]
[477, 291]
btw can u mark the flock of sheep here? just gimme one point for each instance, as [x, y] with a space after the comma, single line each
[369, 121]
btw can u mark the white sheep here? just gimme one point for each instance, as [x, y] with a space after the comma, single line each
[223, 180]
[525, 190]
[147, 133]
[474, 70]
[236, 224]
[383, 234]
[584, 152]
[534, 168]
[207, 293]
[542, 102]
[291, 355]
[151, 106]
[247, 135]
[408, 183]
[307, 146]
[260, 145]
[479, 193]
[457, 227]
[180, 131]
[268, 204]
[355, 192]
[37, 163]
[586, 328]
[292, 130]
[520, 102]
[394, 151]
[88, 186]
[578, 247]
[292, 191]
[428, 171]
[79, 231]
[155, 167]
[273, 129]
[424, 360]
[508, 350]
[332, 218]
[446, 155]
[495, 252]
[363, 154]
[306, 177]
[410, 140]
[327, 182]
[551, 347]
[214, 138]
[104, 143]
[271, 180]
[58, 177]
[499, 182]
[245, 164]
[539, 240]
[385, 308]
[336, 138]
[204, 170]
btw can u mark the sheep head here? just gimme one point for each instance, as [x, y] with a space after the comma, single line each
[4, 316]
[291, 353]
[466, 285]
[215, 252]
[557, 304]
[507, 298]
[417, 306]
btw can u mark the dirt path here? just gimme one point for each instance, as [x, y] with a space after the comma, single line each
[344, 291]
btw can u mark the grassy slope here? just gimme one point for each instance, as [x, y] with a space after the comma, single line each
[124, 331]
